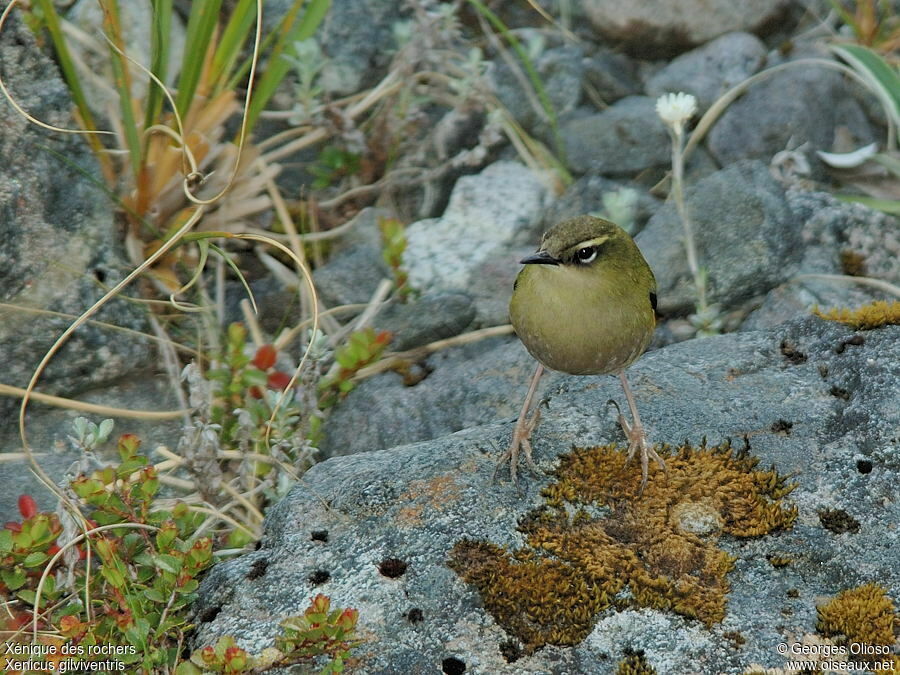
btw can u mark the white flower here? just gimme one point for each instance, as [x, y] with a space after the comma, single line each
[676, 109]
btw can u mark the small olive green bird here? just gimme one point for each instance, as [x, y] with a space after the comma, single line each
[584, 305]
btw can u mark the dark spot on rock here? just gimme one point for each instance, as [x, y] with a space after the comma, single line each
[319, 577]
[511, 651]
[413, 373]
[735, 638]
[839, 392]
[838, 521]
[100, 274]
[823, 370]
[777, 560]
[781, 426]
[853, 264]
[856, 341]
[392, 568]
[319, 535]
[791, 354]
[864, 466]
[257, 569]
[415, 615]
[634, 662]
[209, 614]
[792, 593]
[257, 545]
[453, 666]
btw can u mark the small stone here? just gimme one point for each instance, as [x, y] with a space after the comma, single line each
[696, 518]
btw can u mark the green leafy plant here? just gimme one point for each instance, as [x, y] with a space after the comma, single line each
[143, 576]
[333, 164]
[363, 347]
[319, 632]
[129, 599]
[393, 237]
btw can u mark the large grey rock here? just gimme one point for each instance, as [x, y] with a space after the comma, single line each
[787, 111]
[470, 246]
[746, 236]
[626, 138]
[460, 392]
[827, 416]
[58, 236]
[612, 75]
[709, 71]
[662, 27]
[434, 316]
[560, 70]
[838, 239]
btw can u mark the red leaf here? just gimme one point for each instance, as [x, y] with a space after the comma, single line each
[279, 380]
[13, 526]
[27, 506]
[265, 357]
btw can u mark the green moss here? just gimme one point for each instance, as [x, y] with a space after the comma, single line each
[864, 616]
[595, 545]
[874, 315]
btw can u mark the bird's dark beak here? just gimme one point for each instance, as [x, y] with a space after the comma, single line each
[539, 258]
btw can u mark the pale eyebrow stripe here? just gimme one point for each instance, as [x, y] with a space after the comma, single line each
[592, 242]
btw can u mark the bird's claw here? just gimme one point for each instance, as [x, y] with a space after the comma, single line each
[637, 441]
[521, 438]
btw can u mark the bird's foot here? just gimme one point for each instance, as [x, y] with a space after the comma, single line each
[521, 439]
[638, 442]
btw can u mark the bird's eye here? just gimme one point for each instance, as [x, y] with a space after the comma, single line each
[586, 255]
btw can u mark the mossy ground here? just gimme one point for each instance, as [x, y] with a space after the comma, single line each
[874, 315]
[596, 545]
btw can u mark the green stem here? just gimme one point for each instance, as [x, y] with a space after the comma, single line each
[680, 205]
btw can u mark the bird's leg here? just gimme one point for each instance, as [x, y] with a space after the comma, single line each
[522, 433]
[637, 438]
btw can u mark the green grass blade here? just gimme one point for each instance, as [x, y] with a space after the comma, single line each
[159, 58]
[201, 24]
[70, 74]
[530, 70]
[233, 38]
[112, 25]
[883, 79]
[290, 31]
[890, 163]
[891, 206]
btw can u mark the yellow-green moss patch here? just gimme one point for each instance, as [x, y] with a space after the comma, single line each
[635, 663]
[862, 616]
[874, 315]
[595, 544]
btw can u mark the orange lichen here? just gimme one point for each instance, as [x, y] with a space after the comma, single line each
[595, 544]
[874, 315]
[862, 616]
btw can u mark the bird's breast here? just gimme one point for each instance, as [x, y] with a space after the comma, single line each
[574, 322]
